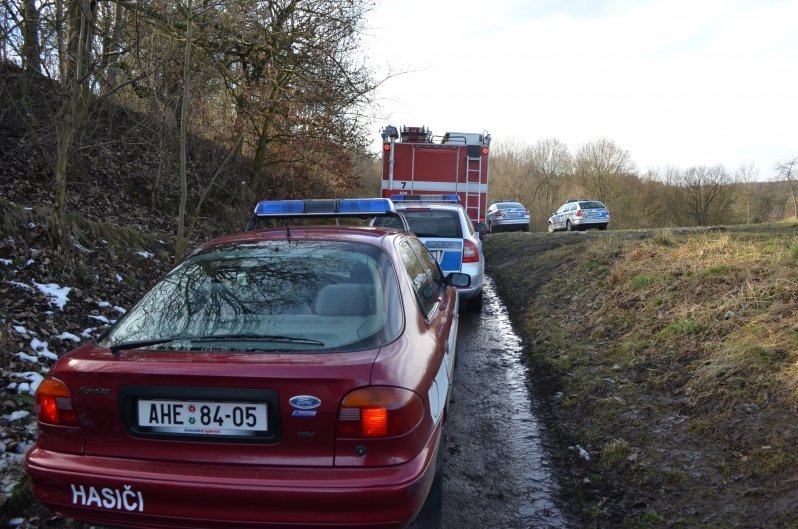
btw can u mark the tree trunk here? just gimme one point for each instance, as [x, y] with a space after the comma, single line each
[74, 107]
[261, 152]
[30, 37]
[111, 49]
[180, 243]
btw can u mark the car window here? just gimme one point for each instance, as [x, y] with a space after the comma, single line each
[434, 223]
[293, 290]
[573, 207]
[591, 205]
[508, 205]
[422, 286]
[431, 266]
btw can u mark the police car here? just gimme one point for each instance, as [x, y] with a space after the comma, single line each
[442, 224]
[289, 375]
[579, 214]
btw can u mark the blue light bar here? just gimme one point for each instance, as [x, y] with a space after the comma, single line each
[279, 207]
[425, 198]
[365, 205]
[324, 207]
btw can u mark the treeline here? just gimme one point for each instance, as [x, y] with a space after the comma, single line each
[233, 99]
[543, 175]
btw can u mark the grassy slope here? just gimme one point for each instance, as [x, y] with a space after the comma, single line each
[671, 358]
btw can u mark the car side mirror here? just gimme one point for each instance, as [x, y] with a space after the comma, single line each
[482, 229]
[458, 279]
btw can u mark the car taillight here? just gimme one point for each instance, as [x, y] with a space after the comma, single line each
[470, 252]
[499, 213]
[526, 212]
[379, 412]
[578, 212]
[54, 403]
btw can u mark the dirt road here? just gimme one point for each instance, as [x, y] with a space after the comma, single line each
[497, 472]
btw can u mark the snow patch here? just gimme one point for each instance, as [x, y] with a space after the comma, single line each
[21, 330]
[103, 304]
[145, 254]
[68, 336]
[101, 319]
[20, 285]
[15, 415]
[56, 293]
[30, 384]
[120, 310]
[6, 262]
[42, 349]
[25, 357]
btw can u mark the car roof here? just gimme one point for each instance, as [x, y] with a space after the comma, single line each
[430, 205]
[372, 235]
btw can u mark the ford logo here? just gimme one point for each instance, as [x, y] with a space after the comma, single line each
[304, 402]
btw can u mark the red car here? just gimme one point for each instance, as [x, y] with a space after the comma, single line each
[290, 376]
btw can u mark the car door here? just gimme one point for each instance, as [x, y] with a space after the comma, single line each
[558, 221]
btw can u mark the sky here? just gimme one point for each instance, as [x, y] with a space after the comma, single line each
[676, 83]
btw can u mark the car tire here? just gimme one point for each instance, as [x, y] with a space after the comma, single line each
[475, 304]
[602, 227]
[569, 226]
[551, 227]
[490, 227]
[432, 511]
[525, 228]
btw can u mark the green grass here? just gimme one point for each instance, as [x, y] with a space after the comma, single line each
[681, 327]
[661, 348]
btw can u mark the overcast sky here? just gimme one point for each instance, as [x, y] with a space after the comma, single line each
[674, 82]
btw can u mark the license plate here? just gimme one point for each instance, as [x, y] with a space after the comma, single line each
[513, 214]
[203, 417]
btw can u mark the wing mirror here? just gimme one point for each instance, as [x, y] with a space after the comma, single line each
[458, 279]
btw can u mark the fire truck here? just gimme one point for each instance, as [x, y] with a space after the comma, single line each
[416, 162]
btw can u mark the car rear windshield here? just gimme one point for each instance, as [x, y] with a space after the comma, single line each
[298, 295]
[509, 205]
[591, 205]
[434, 223]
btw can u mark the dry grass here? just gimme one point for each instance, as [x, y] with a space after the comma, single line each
[674, 360]
[725, 303]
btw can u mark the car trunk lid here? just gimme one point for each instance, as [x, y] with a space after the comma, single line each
[215, 407]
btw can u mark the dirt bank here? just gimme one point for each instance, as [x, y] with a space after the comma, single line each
[667, 360]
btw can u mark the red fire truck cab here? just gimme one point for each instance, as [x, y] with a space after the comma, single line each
[416, 162]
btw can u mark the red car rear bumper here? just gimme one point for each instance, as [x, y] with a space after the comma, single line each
[179, 495]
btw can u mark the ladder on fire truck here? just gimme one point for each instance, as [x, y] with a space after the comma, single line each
[473, 178]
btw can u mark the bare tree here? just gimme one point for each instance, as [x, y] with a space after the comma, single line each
[745, 179]
[603, 170]
[707, 192]
[787, 171]
[180, 243]
[30, 37]
[75, 103]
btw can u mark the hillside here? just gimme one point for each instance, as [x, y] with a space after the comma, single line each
[668, 360]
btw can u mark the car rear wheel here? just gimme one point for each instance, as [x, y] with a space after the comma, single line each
[569, 226]
[475, 304]
[602, 227]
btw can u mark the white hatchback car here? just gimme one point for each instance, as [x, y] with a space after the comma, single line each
[507, 216]
[580, 215]
[448, 233]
